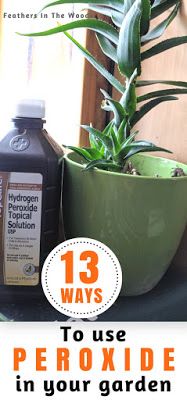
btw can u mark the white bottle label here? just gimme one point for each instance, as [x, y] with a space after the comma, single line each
[20, 227]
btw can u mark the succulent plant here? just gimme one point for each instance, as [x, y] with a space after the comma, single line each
[123, 42]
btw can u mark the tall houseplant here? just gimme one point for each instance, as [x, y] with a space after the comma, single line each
[123, 42]
[134, 215]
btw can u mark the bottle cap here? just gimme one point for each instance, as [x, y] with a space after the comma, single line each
[30, 108]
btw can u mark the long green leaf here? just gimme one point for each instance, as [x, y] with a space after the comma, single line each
[127, 5]
[106, 130]
[128, 99]
[160, 93]
[88, 154]
[124, 148]
[148, 107]
[128, 51]
[163, 46]
[145, 19]
[99, 9]
[97, 65]
[95, 25]
[115, 107]
[145, 143]
[172, 83]
[116, 16]
[116, 4]
[158, 31]
[159, 8]
[103, 164]
[142, 147]
[96, 144]
[107, 47]
[106, 141]
[129, 140]
[146, 10]
[93, 142]
[131, 148]
[118, 111]
[116, 145]
[121, 131]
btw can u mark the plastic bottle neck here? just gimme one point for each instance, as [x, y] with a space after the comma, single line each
[29, 123]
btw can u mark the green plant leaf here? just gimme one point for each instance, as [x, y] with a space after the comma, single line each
[95, 154]
[116, 4]
[106, 130]
[97, 65]
[172, 83]
[106, 141]
[115, 107]
[93, 142]
[160, 93]
[158, 31]
[163, 46]
[127, 5]
[121, 131]
[145, 143]
[161, 6]
[130, 148]
[125, 147]
[130, 139]
[142, 147]
[116, 16]
[94, 24]
[107, 47]
[148, 107]
[118, 110]
[116, 145]
[103, 164]
[146, 10]
[99, 9]
[128, 51]
[87, 153]
[105, 106]
[145, 19]
[128, 99]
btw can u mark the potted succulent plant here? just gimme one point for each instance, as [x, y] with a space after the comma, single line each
[134, 203]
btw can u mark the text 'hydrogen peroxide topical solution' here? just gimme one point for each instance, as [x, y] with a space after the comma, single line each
[30, 195]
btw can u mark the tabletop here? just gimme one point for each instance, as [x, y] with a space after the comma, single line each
[166, 302]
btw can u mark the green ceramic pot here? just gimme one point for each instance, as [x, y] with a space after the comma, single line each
[141, 218]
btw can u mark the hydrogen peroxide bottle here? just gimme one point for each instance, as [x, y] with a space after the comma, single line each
[30, 196]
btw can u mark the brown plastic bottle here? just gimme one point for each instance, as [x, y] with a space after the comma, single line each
[30, 195]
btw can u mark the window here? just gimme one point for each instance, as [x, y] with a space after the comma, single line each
[49, 67]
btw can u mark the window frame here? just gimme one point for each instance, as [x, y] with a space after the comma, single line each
[93, 81]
